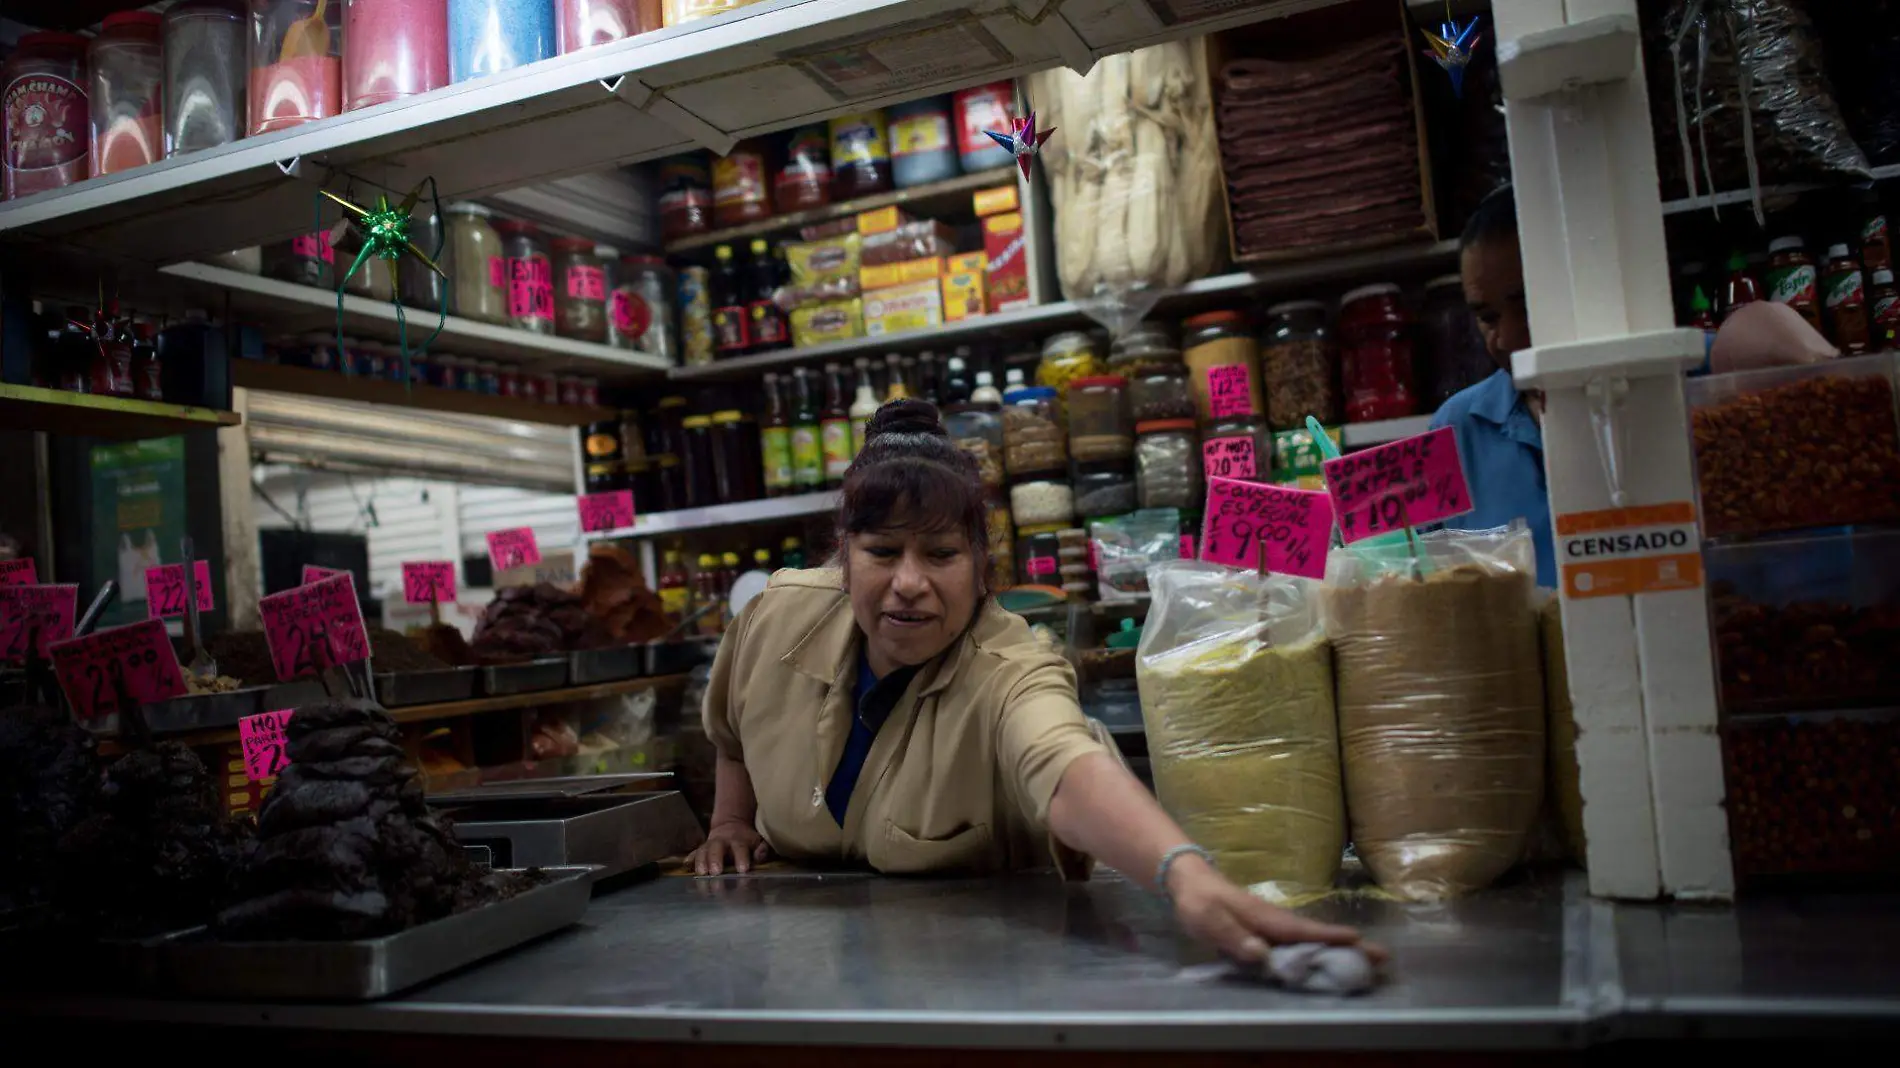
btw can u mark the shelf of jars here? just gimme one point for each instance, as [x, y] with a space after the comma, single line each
[928, 200]
[686, 520]
[706, 83]
[57, 411]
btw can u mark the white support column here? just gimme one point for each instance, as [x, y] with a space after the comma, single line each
[1615, 435]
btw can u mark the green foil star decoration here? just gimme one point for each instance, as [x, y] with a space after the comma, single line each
[385, 234]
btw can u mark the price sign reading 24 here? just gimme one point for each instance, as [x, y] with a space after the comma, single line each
[311, 628]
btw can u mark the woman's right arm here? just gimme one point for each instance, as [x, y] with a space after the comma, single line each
[733, 832]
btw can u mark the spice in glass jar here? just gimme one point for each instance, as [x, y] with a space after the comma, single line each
[1168, 464]
[1041, 501]
[1223, 366]
[46, 115]
[1033, 438]
[296, 63]
[530, 276]
[1066, 357]
[1099, 427]
[1300, 365]
[127, 98]
[476, 263]
[580, 290]
[1104, 489]
[640, 312]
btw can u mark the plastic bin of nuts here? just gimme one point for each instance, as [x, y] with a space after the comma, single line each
[1814, 795]
[1797, 447]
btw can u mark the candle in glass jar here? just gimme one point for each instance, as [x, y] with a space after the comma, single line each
[296, 64]
[205, 46]
[395, 48]
[491, 36]
[127, 98]
[585, 23]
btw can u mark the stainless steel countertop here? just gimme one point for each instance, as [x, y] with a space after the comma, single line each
[1029, 962]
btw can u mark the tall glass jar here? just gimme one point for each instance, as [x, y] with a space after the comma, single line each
[1034, 440]
[530, 276]
[1238, 448]
[580, 290]
[686, 196]
[296, 61]
[476, 270]
[205, 46]
[491, 36]
[127, 100]
[1065, 357]
[677, 12]
[1168, 464]
[417, 285]
[1099, 427]
[1375, 335]
[979, 432]
[371, 278]
[582, 24]
[1223, 367]
[396, 48]
[1452, 353]
[640, 311]
[1300, 363]
[47, 72]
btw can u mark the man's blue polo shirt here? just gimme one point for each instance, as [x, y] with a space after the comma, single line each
[1503, 452]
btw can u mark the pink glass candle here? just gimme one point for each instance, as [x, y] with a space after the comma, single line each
[393, 49]
[584, 23]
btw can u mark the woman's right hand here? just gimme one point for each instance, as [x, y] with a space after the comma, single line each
[734, 838]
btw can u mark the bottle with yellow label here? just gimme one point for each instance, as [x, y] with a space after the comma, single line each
[601, 444]
[775, 439]
[676, 592]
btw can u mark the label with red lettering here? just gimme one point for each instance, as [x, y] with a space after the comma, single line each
[586, 283]
[262, 737]
[1038, 566]
[1229, 458]
[314, 627]
[117, 670]
[18, 572]
[530, 288]
[631, 315]
[605, 511]
[313, 246]
[165, 589]
[34, 617]
[1229, 391]
[426, 581]
[47, 133]
[313, 573]
[1293, 524]
[1403, 483]
[514, 547]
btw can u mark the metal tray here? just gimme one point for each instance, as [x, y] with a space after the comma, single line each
[398, 688]
[205, 711]
[589, 666]
[552, 787]
[616, 832]
[192, 965]
[677, 658]
[503, 679]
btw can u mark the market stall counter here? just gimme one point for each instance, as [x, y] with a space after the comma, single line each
[800, 959]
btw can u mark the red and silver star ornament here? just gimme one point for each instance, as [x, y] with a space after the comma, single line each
[1023, 139]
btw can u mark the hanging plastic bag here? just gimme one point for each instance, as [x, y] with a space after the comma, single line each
[1441, 705]
[1237, 696]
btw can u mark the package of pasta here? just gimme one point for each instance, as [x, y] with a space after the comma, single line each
[1440, 686]
[1236, 683]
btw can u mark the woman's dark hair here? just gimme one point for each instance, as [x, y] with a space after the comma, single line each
[911, 475]
[1495, 217]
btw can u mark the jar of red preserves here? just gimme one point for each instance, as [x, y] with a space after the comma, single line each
[739, 184]
[48, 120]
[686, 197]
[1375, 335]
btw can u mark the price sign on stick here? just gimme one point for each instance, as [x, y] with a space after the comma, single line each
[314, 627]
[34, 617]
[165, 589]
[1229, 458]
[514, 547]
[20, 572]
[313, 573]
[262, 737]
[428, 581]
[117, 670]
[605, 511]
[1409, 482]
[1294, 524]
[1229, 390]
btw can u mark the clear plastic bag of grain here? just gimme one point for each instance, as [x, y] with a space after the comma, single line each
[1236, 686]
[1440, 685]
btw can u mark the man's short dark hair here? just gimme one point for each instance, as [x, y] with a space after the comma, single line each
[1494, 218]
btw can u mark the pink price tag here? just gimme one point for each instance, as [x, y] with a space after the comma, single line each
[117, 670]
[20, 572]
[513, 548]
[1229, 391]
[530, 288]
[165, 589]
[1294, 525]
[605, 511]
[34, 617]
[314, 627]
[1228, 458]
[1040, 566]
[313, 573]
[424, 581]
[1187, 547]
[497, 274]
[1409, 482]
[586, 283]
[631, 315]
[262, 737]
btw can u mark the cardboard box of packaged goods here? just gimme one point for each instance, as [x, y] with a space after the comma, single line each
[1006, 273]
[963, 287]
[995, 201]
[884, 276]
[900, 308]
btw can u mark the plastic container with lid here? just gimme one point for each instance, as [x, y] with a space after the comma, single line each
[1375, 352]
[1065, 357]
[475, 263]
[1034, 440]
[1452, 353]
[922, 148]
[1238, 448]
[1036, 554]
[1099, 426]
[1104, 489]
[205, 43]
[1168, 464]
[979, 109]
[491, 36]
[580, 290]
[1299, 365]
[640, 312]
[529, 275]
[296, 63]
[804, 181]
[1034, 502]
[860, 156]
[741, 190]
[979, 432]
[46, 76]
[393, 49]
[1223, 364]
[582, 24]
[127, 96]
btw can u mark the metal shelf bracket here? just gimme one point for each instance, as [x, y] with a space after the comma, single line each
[1598, 51]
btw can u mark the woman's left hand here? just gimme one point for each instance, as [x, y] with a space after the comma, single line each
[1240, 925]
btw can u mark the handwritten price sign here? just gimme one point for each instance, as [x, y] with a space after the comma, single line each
[20, 572]
[1229, 458]
[314, 627]
[262, 737]
[1403, 483]
[118, 670]
[605, 511]
[1229, 390]
[426, 581]
[313, 573]
[1294, 525]
[165, 589]
[514, 547]
[32, 618]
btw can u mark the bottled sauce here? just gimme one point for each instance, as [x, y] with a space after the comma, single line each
[127, 97]
[737, 468]
[1742, 286]
[1876, 249]
[986, 391]
[1883, 303]
[808, 457]
[603, 467]
[676, 594]
[765, 320]
[1792, 279]
[762, 560]
[979, 109]
[205, 42]
[702, 476]
[835, 428]
[294, 81]
[791, 553]
[899, 388]
[863, 406]
[708, 621]
[580, 290]
[1845, 296]
[1375, 336]
[728, 573]
[1012, 379]
[112, 365]
[1701, 315]
[775, 438]
[805, 180]
[46, 76]
[731, 337]
[921, 147]
[686, 200]
[956, 380]
[860, 161]
[529, 274]
[739, 190]
[927, 387]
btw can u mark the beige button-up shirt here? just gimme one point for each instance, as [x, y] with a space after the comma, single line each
[958, 778]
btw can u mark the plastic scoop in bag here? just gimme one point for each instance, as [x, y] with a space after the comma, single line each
[1378, 543]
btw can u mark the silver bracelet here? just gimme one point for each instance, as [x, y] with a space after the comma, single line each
[1168, 859]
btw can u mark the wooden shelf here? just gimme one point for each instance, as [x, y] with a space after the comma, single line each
[120, 418]
[282, 378]
[929, 199]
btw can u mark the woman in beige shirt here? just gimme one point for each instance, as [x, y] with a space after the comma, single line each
[888, 713]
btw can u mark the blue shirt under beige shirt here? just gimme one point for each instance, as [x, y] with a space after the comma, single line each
[1503, 452]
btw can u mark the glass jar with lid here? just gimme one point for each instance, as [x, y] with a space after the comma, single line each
[128, 92]
[1375, 354]
[417, 285]
[1168, 464]
[1300, 363]
[979, 432]
[529, 275]
[51, 151]
[1238, 448]
[296, 59]
[1157, 379]
[1099, 427]
[580, 290]
[205, 70]
[1104, 489]
[372, 278]
[640, 310]
[1033, 437]
[475, 263]
[1040, 501]
[1066, 357]
[1223, 363]
[1451, 350]
[1145, 345]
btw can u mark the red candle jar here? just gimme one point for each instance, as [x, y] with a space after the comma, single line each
[1375, 334]
[397, 48]
[47, 117]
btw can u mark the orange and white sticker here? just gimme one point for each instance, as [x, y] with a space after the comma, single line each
[1622, 551]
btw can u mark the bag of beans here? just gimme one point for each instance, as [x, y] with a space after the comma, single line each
[1441, 705]
[1237, 696]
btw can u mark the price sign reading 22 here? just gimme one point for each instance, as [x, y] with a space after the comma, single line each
[311, 628]
[426, 581]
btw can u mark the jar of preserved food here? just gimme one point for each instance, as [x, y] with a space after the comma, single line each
[1038, 550]
[416, 284]
[1033, 437]
[1300, 365]
[860, 160]
[1452, 354]
[396, 49]
[1042, 500]
[529, 274]
[739, 190]
[1223, 367]
[205, 70]
[999, 528]
[476, 263]
[640, 312]
[979, 109]
[1238, 448]
[580, 290]
[46, 78]
[686, 199]
[491, 36]
[737, 465]
[296, 63]
[127, 97]
[582, 24]
[979, 432]
[1168, 464]
[1143, 347]
[921, 147]
[1099, 427]
[805, 180]
[304, 259]
[1157, 379]
[1375, 336]
[1066, 357]
[1104, 489]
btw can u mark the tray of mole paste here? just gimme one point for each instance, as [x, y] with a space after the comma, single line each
[499, 680]
[550, 823]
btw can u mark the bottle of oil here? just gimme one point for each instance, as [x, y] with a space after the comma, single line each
[775, 438]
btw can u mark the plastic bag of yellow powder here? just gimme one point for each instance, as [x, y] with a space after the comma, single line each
[1237, 696]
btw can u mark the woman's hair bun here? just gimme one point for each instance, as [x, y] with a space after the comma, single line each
[907, 416]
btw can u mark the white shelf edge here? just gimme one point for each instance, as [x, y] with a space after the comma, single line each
[1731, 197]
[1361, 435]
[765, 510]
